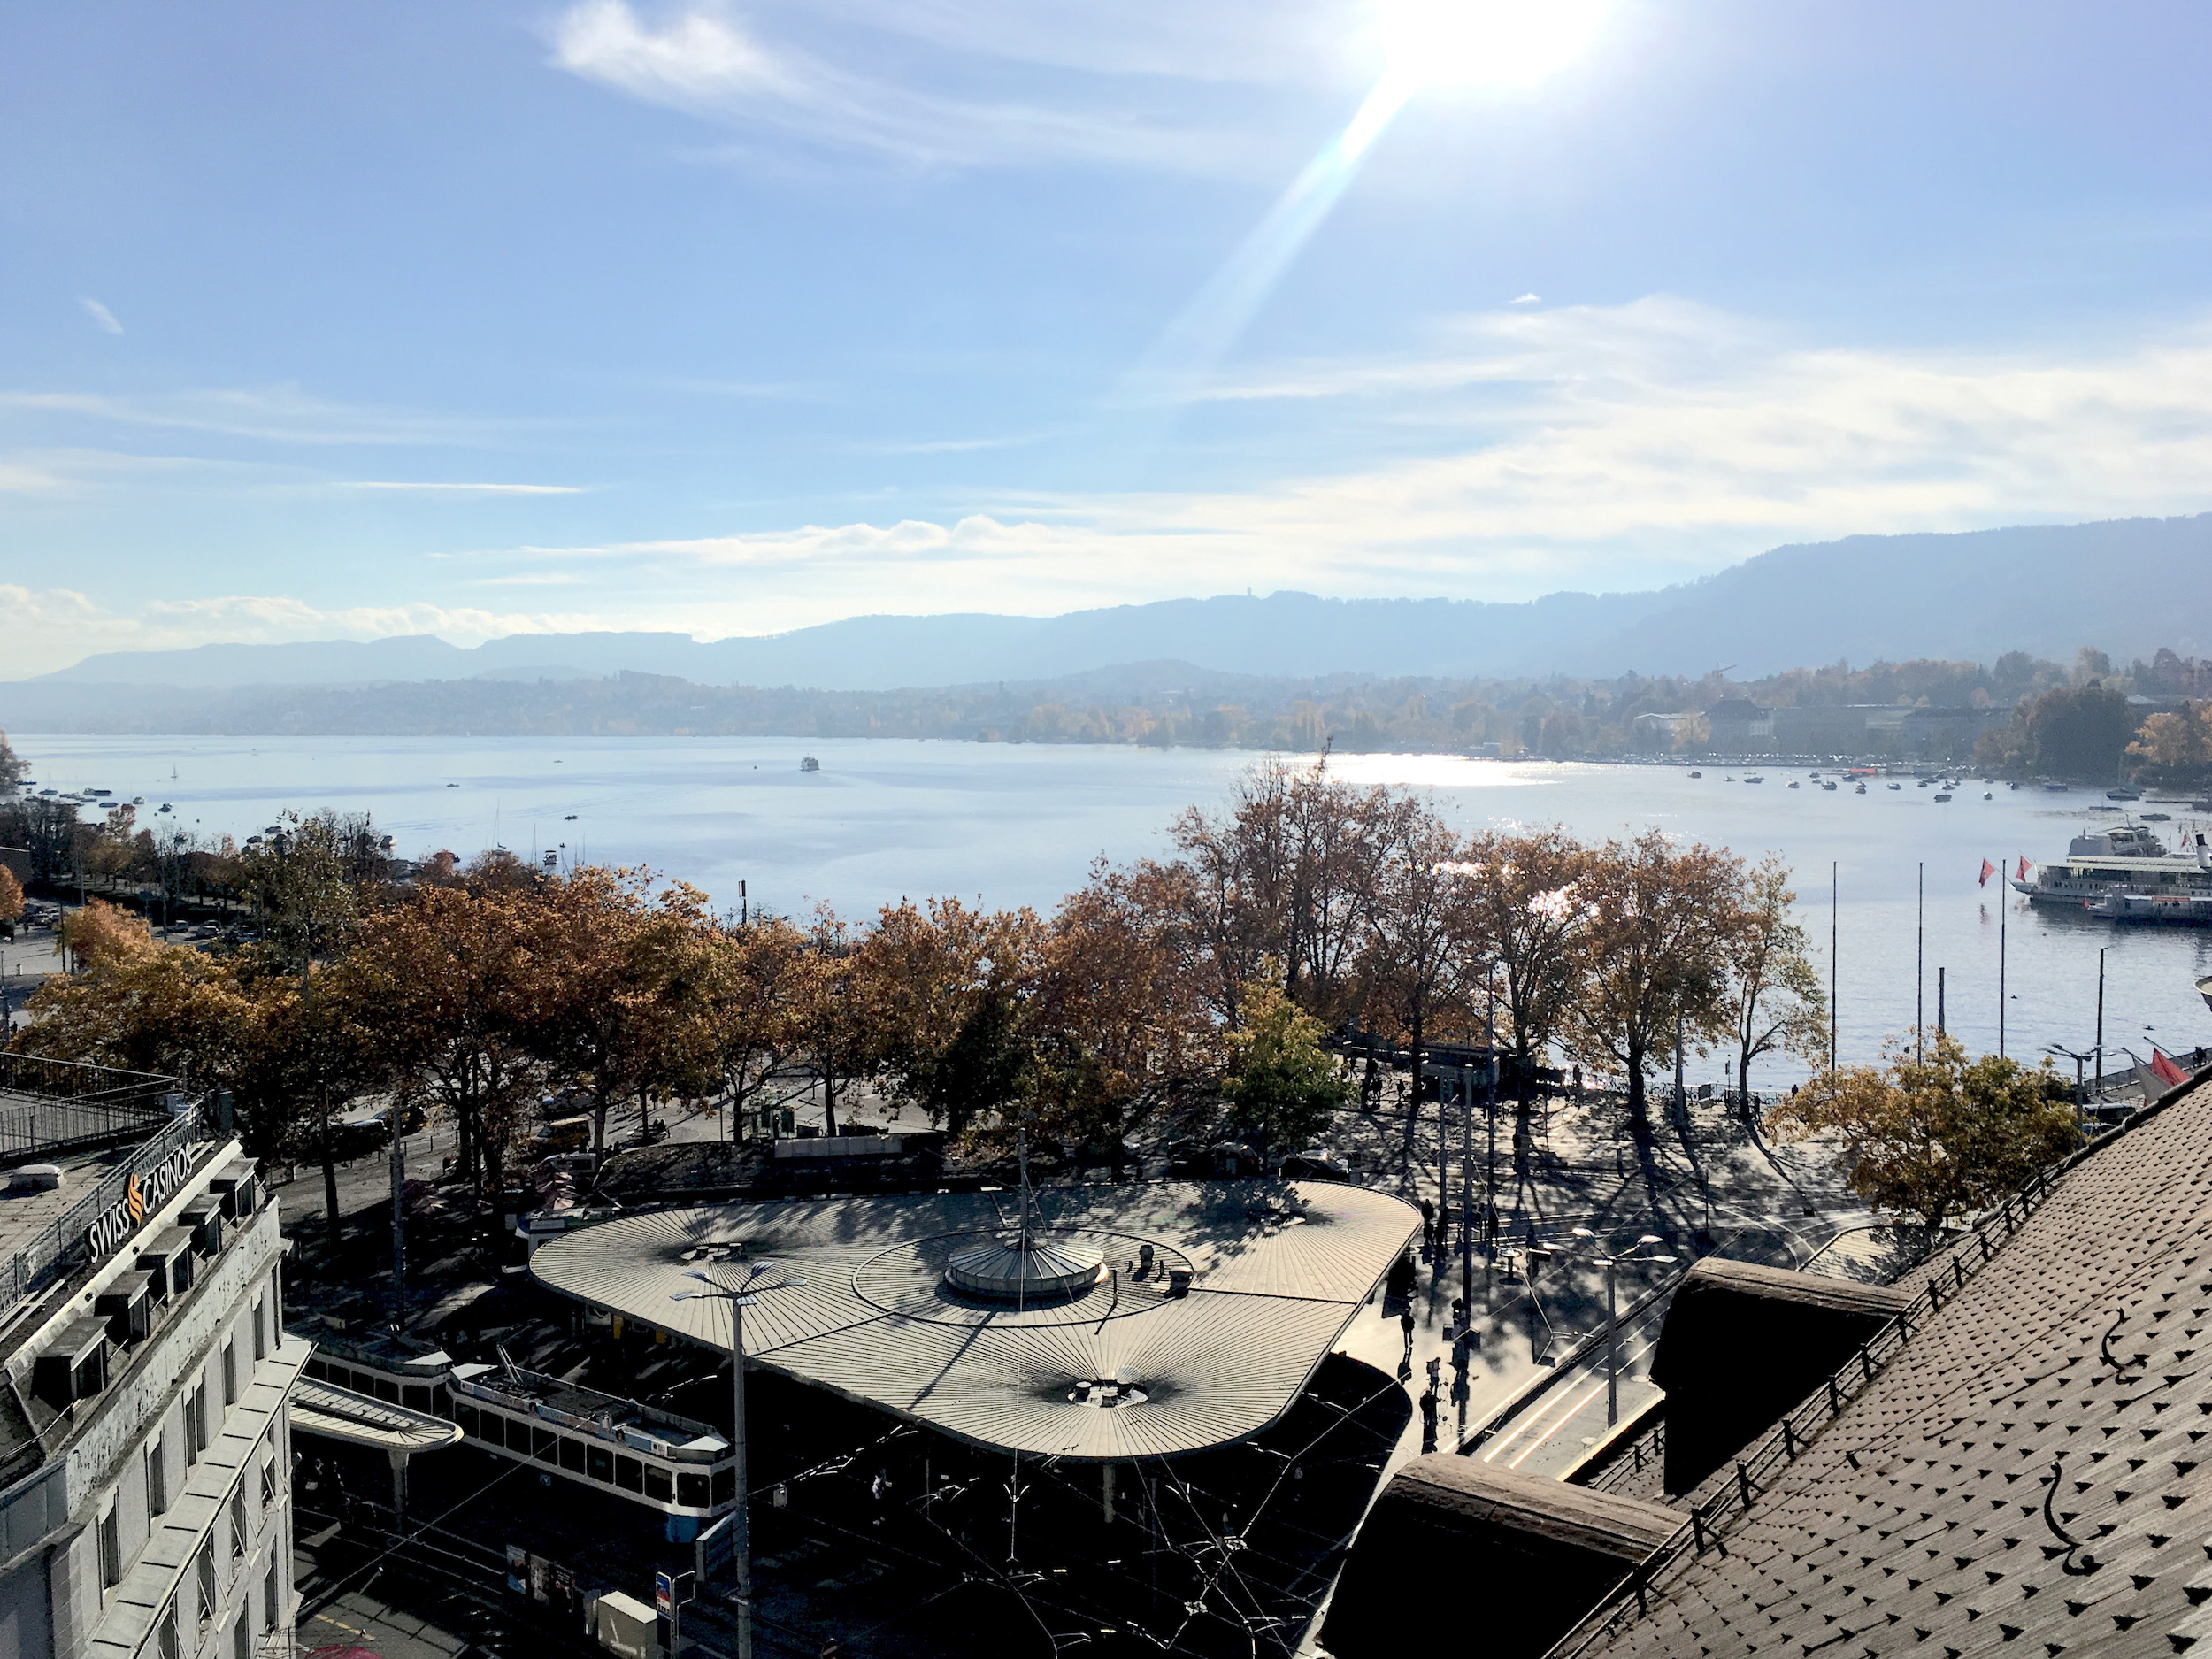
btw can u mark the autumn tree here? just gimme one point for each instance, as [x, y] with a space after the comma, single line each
[161, 1009]
[10, 896]
[616, 975]
[1283, 1088]
[1416, 953]
[1940, 1137]
[1653, 956]
[101, 933]
[749, 987]
[2175, 746]
[1523, 913]
[1774, 997]
[952, 984]
[13, 766]
[441, 980]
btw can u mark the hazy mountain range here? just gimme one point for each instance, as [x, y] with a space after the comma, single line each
[2126, 586]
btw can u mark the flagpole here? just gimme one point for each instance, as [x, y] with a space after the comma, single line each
[1834, 889]
[1920, 966]
[2004, 910]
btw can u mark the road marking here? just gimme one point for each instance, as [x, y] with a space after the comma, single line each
[1573, 1410]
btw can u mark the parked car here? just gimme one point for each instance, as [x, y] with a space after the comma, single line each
[1314, 1164]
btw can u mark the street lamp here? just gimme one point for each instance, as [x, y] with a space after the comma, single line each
[739, 1296]
[1611, 1265]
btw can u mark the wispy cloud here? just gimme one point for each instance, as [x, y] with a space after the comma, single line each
[273, 414]
[949, 446]
[1592, 447]
[1526, 299]
[702, 58]
[101, 316]
[463, 489]
[533, 579]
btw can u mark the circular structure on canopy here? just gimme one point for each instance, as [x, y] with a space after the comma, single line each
[1026, 1267]
[1128, 1275]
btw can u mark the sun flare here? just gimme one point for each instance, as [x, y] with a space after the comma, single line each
[1503, 44]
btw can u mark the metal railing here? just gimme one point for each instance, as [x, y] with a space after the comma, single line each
[79, 1081]
[60, 1244]
[1702, 1530]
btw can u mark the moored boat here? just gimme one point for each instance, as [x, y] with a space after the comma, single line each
[2126, 874]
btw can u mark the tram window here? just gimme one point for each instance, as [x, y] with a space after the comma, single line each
[465, 1416]
[726, 1485]
[545, 1446]
[629, 1474]
[691, 1491]
[599, 1462]
[658, 1487]
[415, 1397]
[571, 1455]
[319, 1371]
[518, 1436]
[388, 1390]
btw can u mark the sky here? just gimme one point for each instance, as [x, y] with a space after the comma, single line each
[352, 320]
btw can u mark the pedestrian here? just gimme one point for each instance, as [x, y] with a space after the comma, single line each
[1428, 1418]
[1436, 1372]
[1428, 1229]
[1405, 1324]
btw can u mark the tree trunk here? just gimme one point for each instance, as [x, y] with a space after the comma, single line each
[1639, 1104]
[829, 1096]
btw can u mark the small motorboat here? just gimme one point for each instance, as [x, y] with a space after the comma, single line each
[1859, 789]
[1830, 786]
[2121, 793]
[163, 807]
[2158, 818]
[571, 818]
[1755, 780]
[1697, 774]
[1987, 795]
[1793, 783]
[2012, 786]
[1897, 786]
[2054, 789]
[138, 800]
[1943, 795]
[807, 763]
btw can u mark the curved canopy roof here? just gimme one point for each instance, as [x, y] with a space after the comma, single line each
[1277, 1269]
[340, 1414]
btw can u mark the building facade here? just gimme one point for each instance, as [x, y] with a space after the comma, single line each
[144, 1457]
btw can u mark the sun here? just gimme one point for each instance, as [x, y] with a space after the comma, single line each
[1500, 43]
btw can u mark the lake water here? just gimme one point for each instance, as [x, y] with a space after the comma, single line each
[1020, 824]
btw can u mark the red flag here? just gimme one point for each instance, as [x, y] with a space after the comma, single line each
[2165, 1071]
[1988, 870]
[2023, 867]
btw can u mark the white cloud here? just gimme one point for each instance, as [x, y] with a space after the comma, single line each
[466, 489]
[101, 316]
[700, 59]
[1617, 447]
[1527, 299]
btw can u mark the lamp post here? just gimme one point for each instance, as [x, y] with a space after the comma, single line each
[1611, 1265]
[739, 1296]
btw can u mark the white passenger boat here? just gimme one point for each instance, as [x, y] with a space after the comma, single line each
[2127, 874]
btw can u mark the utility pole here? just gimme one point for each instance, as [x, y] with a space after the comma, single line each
[1467, 1193]
[1920, 967]
[1939, 972]
[2004, 910]
[399, 1215]
[2101, 950]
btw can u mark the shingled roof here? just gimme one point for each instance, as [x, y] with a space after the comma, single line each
[2031, 1471]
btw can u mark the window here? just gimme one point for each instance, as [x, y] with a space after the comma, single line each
[545, 1446]
[415, 1397]
[242, 1637]
[691, 1491]
[111, 1551]
[240, 1531]
[272, 1603]
[726, 1485]
[195, 1424]
[629, 1474]
[599, 1462]
[260, 1332]
[658, 1487]
[166, 1642]
[571, 1455]
[276, 1298]
[268, 1480]
[518, 1436]
[157, 1477]
[230, 1371]
[465, 1416]
[205, 1568]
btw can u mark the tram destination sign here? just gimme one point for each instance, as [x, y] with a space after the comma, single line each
[144, 1193]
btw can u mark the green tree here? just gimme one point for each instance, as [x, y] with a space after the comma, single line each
[1283, 1088]
[12, 767]
[1937, 1138]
